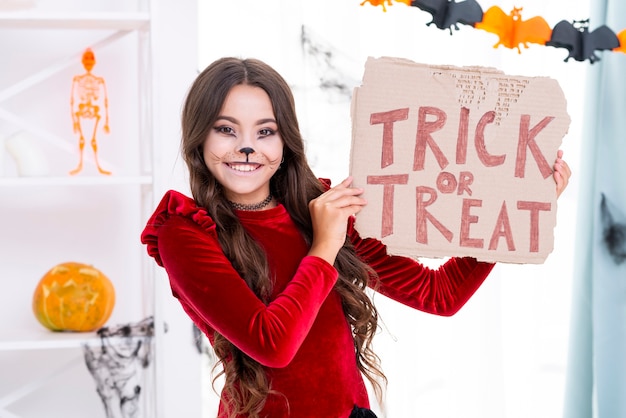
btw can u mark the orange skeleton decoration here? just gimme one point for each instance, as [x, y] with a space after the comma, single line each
[512, 30]
[89, 96]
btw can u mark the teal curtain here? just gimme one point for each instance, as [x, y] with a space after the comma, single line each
[596, 367]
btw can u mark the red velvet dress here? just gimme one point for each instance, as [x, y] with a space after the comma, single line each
[301, 337]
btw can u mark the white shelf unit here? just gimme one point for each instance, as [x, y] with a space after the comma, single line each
[40, 339]
[75, 181]
[53, 218]
[76, 20]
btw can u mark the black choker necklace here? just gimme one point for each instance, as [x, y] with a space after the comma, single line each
[252, 206]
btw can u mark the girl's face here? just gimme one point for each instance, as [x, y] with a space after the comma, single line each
[243, 149]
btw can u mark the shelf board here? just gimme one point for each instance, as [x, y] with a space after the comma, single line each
[75, 181]
[43, 339]
[76, 20]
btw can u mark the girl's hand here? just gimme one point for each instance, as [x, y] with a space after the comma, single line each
[562, 173]
[329, 215]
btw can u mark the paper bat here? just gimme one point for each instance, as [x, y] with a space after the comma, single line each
[378, 3]
[613, 232]
[447, 13]
[512, 30]
[581, 43]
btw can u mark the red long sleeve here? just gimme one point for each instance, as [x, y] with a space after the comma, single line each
[442, 291]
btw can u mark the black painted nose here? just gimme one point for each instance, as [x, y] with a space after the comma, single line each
[247, 151]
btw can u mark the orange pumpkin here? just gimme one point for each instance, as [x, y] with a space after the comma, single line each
[73, 297]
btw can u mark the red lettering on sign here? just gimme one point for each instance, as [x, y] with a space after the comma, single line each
[487, 159]
[388, 190]
[502, 229]
[465, 180]
[446, 182]
[388, 119]
[461, 140]
[527, 140]
[422, 215]
[466, 220]
[534, 208]
[423, 137]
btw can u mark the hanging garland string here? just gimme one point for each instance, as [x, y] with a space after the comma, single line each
[513, 31]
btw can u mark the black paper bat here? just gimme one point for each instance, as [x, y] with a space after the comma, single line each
[581, 43]
[447, 13]
[613, 233]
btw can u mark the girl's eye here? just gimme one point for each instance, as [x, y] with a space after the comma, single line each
[224, 130]
[266, 132]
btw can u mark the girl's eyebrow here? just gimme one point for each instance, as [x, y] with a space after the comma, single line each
[266, 120]
[228, 118]
[235, 121]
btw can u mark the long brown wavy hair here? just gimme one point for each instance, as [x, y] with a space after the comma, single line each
[246, 385]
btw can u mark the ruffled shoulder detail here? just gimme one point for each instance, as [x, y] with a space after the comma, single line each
[325, 182]
[172, 204]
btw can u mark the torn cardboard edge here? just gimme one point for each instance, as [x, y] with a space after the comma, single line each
[457, 161]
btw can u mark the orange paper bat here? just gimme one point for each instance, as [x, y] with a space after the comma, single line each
[378, 3]
[383, 2]
[512, 30]
[622, 42]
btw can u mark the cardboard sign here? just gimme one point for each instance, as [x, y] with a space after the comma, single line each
[457, 161]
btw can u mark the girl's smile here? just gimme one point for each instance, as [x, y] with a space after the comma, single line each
[244, 167]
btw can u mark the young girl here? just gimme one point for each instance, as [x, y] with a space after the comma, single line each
[266, 262]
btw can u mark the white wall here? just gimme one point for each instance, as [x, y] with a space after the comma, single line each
[504, 354]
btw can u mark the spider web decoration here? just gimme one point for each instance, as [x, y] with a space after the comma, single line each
[117, 365]
[324, 59]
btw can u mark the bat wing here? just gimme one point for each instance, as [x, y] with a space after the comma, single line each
[534, 30]
[467, 12]
[565, 35]
[622, 42]
[600, 39]
[603, 38]
[437, 9]
[496, 21]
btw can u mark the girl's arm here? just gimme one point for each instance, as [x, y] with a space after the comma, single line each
[213, 293]
[441, 291]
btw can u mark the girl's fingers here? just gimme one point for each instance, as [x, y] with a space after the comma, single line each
[338, 202]
[341, 194]
[562, 173]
